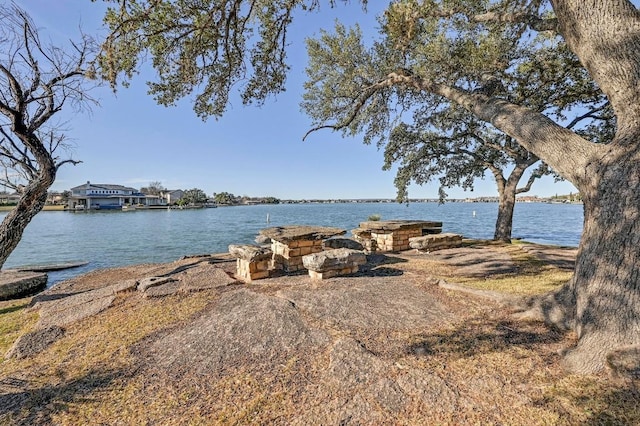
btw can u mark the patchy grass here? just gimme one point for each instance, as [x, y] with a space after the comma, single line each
[14, 321]
[93, 358]
[546, 280]
[532, 276]
[493, 370]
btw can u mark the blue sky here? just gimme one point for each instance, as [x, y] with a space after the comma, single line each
[255, 151]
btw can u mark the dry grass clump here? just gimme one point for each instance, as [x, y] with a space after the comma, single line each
[546, 280]
[482, 368]
[526, 276]
[93, 357]
[14, 321]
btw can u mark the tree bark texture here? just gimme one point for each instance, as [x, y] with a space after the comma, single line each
[31, 202]
[504, 222]
[605, 34]
[606, 285]
[507, 191]
[34, 196]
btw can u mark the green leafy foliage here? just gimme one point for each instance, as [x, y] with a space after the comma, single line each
[203, 48]
[194, 196]
[225, 198]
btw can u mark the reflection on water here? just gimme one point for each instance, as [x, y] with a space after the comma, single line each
[109, 238]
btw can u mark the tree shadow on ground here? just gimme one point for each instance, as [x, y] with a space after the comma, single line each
[476, 262]
[47, 297]
[375, 266]
[483, 336]
[183, 268]
[22, 405]
[561, 258]
[595, 403]
[379, 272]
[383, 259]
[11, 309]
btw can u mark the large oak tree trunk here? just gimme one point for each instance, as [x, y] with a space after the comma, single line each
[602, 301]
[606, 285]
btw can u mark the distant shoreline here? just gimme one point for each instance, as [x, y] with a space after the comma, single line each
[46, 208]
[337, 201]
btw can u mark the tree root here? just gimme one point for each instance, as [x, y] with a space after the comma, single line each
[594, 353]
[556, 308]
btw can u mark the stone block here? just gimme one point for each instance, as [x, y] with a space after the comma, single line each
[249, 253]
[278, 248]
[259, 266]
[296, 252]
[259, 275]
[433, 242]
[249, 271]
[334, 262]
[427, 231]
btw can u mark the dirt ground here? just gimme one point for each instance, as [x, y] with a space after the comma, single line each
[388, 345]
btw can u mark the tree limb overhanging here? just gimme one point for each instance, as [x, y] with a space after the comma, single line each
[553, 143]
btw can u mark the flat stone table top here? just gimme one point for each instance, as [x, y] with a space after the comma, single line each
[285, 234]
[395, 225]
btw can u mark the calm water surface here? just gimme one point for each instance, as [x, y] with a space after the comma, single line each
[108, 238]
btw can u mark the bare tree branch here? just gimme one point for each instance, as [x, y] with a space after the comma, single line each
[589, 114]
[36, 82]
[536, 174]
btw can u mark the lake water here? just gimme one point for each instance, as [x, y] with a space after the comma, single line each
[114, 238]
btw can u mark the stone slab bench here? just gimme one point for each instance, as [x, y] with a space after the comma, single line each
[434, 242]
[253, 262]
[331, 263]
[14, 284]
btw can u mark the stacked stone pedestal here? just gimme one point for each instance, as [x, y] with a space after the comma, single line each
[393, 235]
[332, 263]
[362, 236]
[290, 243]
[288, 257]
[395, 240]
[253, 262]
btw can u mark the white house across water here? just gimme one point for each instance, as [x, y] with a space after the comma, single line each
[107, 196]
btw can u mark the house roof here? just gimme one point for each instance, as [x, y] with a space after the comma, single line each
[106, 186]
